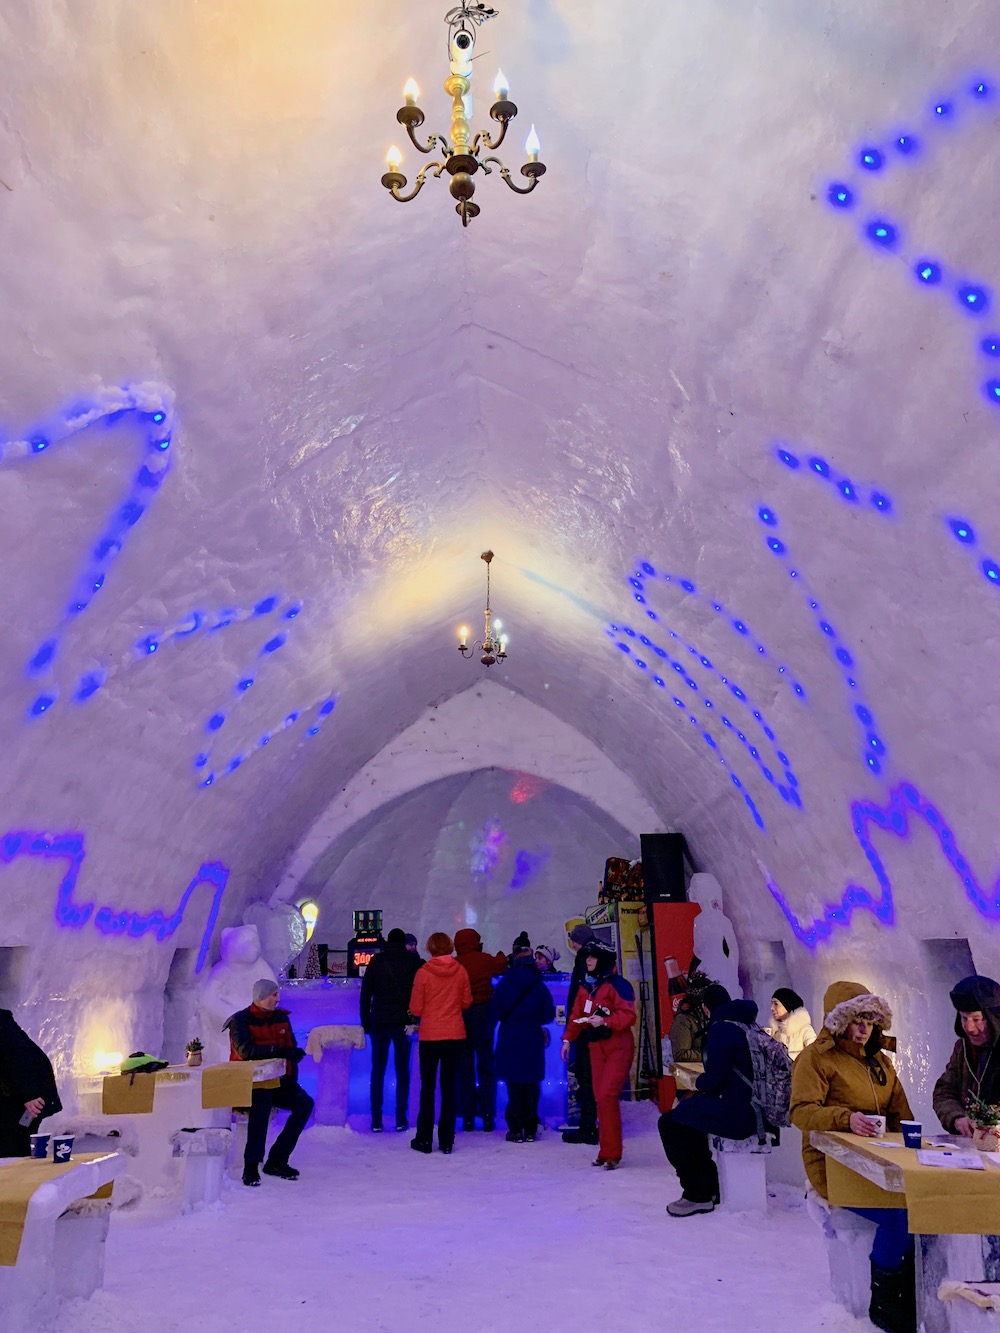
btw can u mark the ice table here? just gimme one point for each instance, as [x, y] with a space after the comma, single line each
[967, 1256]
[176, 1106]
[62, 1245]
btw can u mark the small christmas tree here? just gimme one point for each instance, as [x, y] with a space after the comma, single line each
[312, 970]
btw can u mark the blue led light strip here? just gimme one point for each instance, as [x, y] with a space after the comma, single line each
[150, 404]
[874, 749]
[872, 158]
[904, 801]
[70, 849]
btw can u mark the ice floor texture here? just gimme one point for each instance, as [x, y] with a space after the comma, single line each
[377, 1238]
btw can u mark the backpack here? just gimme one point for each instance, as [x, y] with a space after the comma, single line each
[771, 1089]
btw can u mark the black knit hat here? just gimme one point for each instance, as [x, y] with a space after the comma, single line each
[396, 936]
[791, 999]
[713, 996]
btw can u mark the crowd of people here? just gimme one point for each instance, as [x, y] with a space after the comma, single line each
[479, 1017]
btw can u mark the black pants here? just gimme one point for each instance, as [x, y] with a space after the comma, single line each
[584, 1087]
[477, 1078]
[522, 1107]
[446, 1056]
[287, 1097]
[381, 1040]
[689, 1154]
[15, 1139]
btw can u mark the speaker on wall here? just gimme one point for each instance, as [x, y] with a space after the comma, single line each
[663, 867]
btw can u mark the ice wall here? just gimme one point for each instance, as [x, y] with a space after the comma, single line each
[722, 395]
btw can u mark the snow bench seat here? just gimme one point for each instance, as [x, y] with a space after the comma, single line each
[204, 1151]
[741, 1165]
[62, 1245]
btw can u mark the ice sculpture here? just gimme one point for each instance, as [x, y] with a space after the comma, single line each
[229, 986]
[714, 936]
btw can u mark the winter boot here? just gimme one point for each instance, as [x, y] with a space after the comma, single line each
[894, 1298]
[251, 1175]
[581, 1135]
[685, 1207]
[280, 1169]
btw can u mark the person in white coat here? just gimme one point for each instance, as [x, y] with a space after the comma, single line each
[790, 1021]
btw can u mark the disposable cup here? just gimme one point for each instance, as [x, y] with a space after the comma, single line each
[62, 1147]
[912, 1133]
[40, 1145]
[879, 1121]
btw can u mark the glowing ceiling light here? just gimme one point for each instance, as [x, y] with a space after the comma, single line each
[493, 648]
[462, 155]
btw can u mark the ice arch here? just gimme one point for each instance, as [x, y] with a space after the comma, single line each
[485, 726]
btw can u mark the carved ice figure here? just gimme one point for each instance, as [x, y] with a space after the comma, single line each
[229, 987]
[282, 931]
[714, 937]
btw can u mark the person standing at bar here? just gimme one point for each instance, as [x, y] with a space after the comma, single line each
[385, 1014]
[476, 1075]
[441, 993]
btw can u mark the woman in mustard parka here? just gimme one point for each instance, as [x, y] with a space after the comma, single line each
[838, 1083]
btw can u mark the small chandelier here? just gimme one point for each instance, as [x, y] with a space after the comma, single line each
[493, 649]
[461, 158]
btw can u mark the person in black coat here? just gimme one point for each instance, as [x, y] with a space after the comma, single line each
[522, 1004]
[385, 1013]
[27, 1088]
[721, 1105]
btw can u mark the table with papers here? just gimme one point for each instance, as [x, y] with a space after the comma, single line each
[952, 1194]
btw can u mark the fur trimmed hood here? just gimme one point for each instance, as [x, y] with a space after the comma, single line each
[845, 1000]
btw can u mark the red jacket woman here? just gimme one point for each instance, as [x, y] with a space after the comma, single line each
[441, 993]
[603, 1015]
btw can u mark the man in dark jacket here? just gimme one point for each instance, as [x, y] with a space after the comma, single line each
[579, 1063]
[385, 1013]
[974, 1067]
[721, 1105]
[477, 1083]
[27, 1088]
[264, 1032]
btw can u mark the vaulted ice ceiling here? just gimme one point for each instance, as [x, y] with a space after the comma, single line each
[723, 383]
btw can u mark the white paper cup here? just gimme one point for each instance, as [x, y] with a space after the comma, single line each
[879, 1121]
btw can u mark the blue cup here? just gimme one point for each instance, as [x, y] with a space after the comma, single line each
[912, 1132]
[62, 1147]
[40, 1145]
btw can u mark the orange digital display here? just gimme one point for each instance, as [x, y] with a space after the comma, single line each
[362, 959]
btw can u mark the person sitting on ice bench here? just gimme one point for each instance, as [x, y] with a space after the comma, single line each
[839, 1083]
[264, 1032]
[721, 1105]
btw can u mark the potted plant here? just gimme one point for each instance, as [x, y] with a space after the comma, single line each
[194, 1049]
[985, 1125]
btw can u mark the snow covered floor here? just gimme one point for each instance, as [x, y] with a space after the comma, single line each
[375, 1237]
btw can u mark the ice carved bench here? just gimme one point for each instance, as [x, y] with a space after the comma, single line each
[741, 1164]
[204, 1152]
[62, 1246]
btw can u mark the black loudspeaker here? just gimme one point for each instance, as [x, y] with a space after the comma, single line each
[663, 867]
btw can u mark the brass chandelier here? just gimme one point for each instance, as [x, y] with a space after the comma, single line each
[462, 155]
[494, 644]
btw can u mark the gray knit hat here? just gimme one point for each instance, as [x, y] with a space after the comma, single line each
[582, 935]
[263, 988]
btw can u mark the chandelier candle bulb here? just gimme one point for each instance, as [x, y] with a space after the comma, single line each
[411, 92]
[501, 88]
[532, 145]
[394, 158]
[463, 635]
